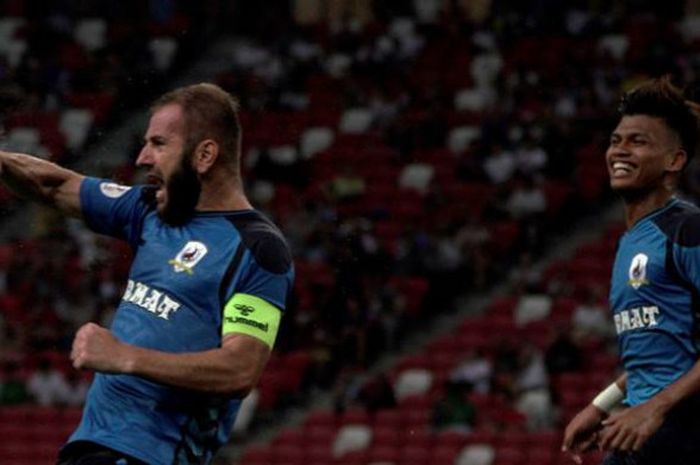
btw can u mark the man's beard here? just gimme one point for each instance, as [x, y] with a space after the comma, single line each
[183, 189]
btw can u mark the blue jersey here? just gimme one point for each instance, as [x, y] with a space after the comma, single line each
[179, 283]
[654, 298]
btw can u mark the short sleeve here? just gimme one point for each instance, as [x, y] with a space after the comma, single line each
[113, 209]
[686, 251]
[270, 272]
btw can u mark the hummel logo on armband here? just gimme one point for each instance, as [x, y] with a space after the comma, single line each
[244, 309]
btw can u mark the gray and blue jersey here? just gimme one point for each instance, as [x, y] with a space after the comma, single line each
[654, 298]
[180, 281]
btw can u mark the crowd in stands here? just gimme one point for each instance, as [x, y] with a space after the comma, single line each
[410, 151]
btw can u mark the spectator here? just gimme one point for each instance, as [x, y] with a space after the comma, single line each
[47, 385]
[499, 165]
[590, 318]
[77, 389]
[474, 369]
[563, 355]
[378, 394]
[527, 200]
[454, 411]
[13, 390]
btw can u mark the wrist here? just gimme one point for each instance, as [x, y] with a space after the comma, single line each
[609, 398]
[129, 360]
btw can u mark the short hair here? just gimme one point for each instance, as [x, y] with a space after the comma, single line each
[660, 98]
[209, 113]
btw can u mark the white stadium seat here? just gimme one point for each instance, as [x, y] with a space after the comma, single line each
[91, 33]
[351, 438]
[75, 124]
[416, 176]
[163, 50]
[476, 454]
[413, 381]
[356, 120]
[315, 140]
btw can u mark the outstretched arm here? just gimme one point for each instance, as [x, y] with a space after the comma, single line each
[41, 180]
[232, 369]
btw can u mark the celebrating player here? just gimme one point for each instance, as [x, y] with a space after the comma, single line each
[654, 292]
[205, 294]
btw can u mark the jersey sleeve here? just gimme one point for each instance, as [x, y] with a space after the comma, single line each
[113, 209]
[260, 297]
[686, 251]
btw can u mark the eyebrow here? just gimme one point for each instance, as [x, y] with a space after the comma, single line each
[155, 138]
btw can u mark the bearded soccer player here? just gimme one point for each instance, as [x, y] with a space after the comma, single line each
[651, 414]
[205, 294]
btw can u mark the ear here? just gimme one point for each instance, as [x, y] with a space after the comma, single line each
[676, 161]
[205, 155]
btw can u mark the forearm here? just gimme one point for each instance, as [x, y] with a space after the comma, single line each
[36, 179]
[683, 388]
[220, 370]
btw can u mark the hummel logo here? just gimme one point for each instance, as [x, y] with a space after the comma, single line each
[244, 309]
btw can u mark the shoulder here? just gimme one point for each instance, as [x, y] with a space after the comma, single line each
[681, 224]
[264, 240]
[111, 191]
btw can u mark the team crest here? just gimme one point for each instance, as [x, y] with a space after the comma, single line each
[113, 190]
[188, 257]
[638, 271]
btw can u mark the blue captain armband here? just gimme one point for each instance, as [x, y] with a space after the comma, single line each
[251, 315]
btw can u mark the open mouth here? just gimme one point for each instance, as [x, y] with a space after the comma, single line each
[622, 168]
[155, 180]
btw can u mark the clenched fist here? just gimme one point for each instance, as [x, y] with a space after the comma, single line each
[96, 348]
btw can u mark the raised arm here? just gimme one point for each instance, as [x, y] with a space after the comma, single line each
[40, 180]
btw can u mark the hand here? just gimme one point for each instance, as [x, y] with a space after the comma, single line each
[581, 433]
[95, 348]
[629, 429]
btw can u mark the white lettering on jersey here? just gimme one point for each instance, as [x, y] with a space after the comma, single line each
[636, 318]
[151, 300]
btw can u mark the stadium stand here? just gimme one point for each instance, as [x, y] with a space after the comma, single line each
[411, 156]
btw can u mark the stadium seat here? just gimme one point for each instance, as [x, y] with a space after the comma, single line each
[351, 438]
[412, 381]
[91, 33]
[24, 139]
[163, 50]
[476, 454]
[314, 140]
[416, 176]
[75, 124]
[460, 138]
[355, 120]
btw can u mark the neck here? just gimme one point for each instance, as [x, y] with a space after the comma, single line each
[637, 206]
[220, 193]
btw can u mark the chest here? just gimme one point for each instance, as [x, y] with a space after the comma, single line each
[641, 272]
[183, 262]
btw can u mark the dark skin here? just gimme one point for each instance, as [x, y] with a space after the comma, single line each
[644, 159]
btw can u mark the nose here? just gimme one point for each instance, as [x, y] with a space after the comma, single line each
[145, 157]
[619, 149]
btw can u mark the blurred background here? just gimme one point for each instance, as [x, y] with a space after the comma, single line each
[437, 167]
